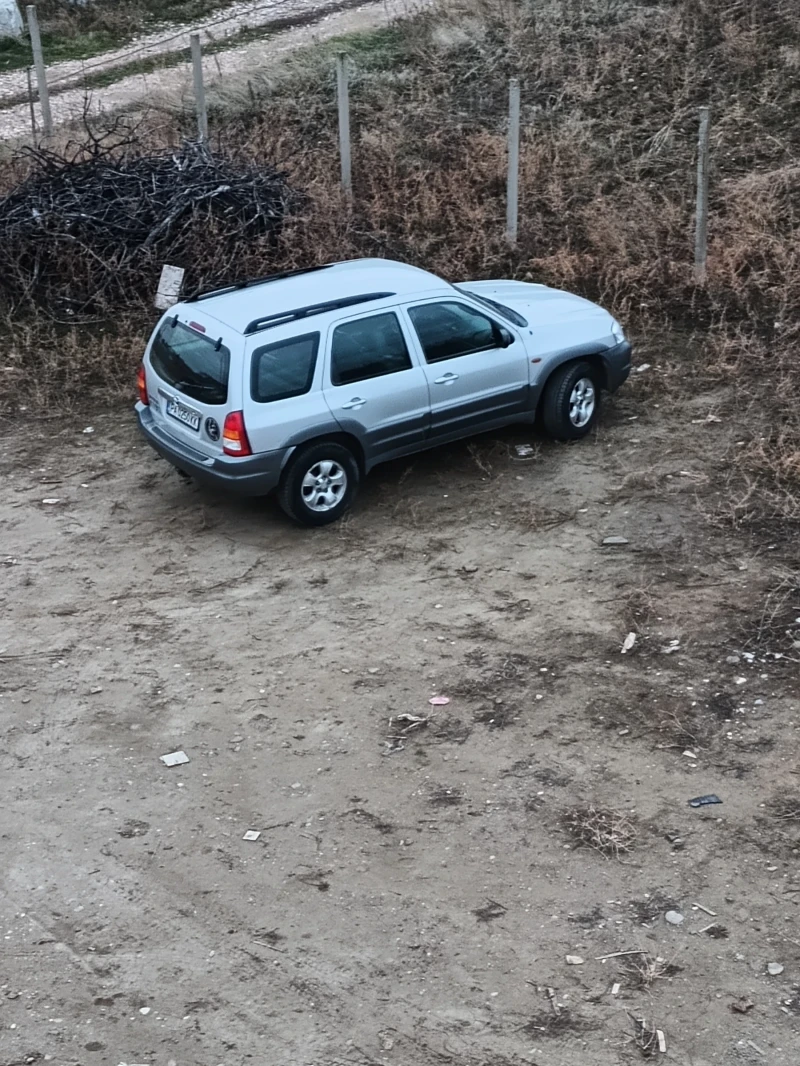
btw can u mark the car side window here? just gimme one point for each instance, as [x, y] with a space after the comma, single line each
[283, 369]
[368, 348]
[447, 330]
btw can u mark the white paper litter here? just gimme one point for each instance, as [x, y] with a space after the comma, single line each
[175, 758]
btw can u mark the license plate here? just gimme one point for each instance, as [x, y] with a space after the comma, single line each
[181, 413]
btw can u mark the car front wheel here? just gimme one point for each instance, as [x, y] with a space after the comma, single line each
[320, 484]
[571, 402]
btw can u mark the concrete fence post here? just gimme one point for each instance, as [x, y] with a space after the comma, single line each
[41, 74]
[199, 88]
[343, 99]
[701, 219]
[512, 206]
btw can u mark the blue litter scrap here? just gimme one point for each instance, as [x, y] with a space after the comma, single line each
[704, 801]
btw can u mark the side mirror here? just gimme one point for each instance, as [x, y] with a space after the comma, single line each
[506, 338]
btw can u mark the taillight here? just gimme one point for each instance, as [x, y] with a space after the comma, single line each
[234, 435]
[141, 382]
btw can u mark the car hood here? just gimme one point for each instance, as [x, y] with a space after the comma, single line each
[540, 304]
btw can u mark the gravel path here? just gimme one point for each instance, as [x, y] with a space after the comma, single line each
[173, 84]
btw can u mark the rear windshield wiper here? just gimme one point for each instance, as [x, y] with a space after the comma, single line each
[196, 386]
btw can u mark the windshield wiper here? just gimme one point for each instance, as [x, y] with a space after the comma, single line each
[197, 387]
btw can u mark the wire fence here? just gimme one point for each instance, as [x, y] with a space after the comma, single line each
[475, 104]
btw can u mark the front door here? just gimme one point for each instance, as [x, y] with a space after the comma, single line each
[477, 371]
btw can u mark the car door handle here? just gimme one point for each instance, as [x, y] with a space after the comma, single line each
[448, 379]
[354, 404]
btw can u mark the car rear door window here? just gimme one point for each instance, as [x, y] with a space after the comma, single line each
[284, 368]
[192, 363]
[368, 348]
[447, 330]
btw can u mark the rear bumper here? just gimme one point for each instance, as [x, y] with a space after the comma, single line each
[617, 364]
[256, 476]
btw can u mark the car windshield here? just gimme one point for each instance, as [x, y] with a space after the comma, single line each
[495, 305]
[188, 361]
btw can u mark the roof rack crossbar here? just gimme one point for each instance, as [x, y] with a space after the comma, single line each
[268, 321]
[255, 281]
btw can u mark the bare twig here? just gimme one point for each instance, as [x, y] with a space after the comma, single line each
[263, 944]
[705, 910]
[619, 954]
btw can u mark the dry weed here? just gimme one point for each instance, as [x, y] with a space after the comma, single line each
[552, 1024]
[645, 1036]
[609, 831]
[776, 627]
[786, 808]
[638, 608]
[499, 674]
[642, 971]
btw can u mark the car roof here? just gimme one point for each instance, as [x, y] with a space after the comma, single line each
[238, 308]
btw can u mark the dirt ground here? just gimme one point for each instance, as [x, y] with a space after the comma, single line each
[409, 901]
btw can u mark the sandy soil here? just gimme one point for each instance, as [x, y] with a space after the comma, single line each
[408, 901]
[174, 84]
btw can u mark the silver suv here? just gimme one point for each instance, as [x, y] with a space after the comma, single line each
[302, 382]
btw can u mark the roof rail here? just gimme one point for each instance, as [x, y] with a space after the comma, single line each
[268, 321]
[256, 281]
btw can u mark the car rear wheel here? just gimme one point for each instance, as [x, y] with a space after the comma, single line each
[571, 401]
[320, 484]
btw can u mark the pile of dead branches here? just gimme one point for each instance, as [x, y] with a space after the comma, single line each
[91, 226]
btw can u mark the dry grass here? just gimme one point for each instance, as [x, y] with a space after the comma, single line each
[645, 1036]
[549, 1024]
[50, 367]
[642, 971]
[786, 808]
[609, 831]
[638, 608]
[775, 628]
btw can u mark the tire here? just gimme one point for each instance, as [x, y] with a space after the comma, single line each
[571, 401]
[319, 484]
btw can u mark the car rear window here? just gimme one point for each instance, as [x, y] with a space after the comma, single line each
[284, 369]
[196, 365]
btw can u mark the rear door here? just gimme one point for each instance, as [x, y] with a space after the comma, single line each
[374, 386]
[477, 370]
[189, 382]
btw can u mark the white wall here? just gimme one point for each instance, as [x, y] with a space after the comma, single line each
[10, 19]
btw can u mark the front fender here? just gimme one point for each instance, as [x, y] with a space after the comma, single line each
[613, 363]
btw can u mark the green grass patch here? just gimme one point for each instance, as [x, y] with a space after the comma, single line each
[16, 54]
[75, 32]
